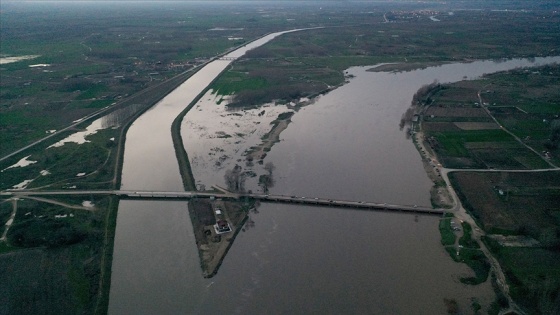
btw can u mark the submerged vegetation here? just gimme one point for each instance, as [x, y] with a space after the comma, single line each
[56, 257]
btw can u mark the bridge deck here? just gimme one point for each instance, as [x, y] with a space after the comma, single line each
[135, 194]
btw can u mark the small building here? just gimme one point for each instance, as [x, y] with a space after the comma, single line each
[222, 226]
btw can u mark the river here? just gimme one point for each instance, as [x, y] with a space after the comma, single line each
[297, 259]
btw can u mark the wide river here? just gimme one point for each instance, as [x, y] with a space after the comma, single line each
[297, 259]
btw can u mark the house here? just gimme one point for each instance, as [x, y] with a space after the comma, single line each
[222, 226]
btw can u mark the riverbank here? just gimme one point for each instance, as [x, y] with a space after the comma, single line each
[213, 244]
[273, 136]
[440, 196]
[497, 201]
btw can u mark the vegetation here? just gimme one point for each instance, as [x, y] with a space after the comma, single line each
[53, 233]
[447, 235]
[533, 276]
[213, 247]
[306, 63]
[475, 259]
[466, 240]
[128, 57]
[505, 203]
[523, 101]
[259, 81]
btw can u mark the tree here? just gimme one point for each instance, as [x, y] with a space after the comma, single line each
[269, 167]
[235, 179]
[267, 180]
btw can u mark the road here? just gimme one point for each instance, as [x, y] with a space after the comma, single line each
[509, 132]
[460, 212]
[224, 194]
[97, 113]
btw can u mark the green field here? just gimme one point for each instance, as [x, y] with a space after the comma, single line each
[533, 118]
[533, 275]
[133, 55]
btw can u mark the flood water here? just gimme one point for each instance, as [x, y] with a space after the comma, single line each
[297, 259]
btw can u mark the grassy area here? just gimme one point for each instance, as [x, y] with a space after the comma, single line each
[466, 240]
[257, 81]
[96, 164]
[6, 209]
[519, 204]
[463, 136]
[523, 101]
[533, 275]
[524, 203]
[106, 262]
[475, 259]
[447, 235]
[99, 55]
[466, 252]
[67, 243]
[297, 64]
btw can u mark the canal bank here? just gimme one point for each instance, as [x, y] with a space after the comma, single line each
[149, 164]
[285, 257]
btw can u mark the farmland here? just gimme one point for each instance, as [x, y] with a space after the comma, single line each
[520, 206]
[128, 57]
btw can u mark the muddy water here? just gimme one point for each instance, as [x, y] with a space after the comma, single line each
[155, 262]
[349, 143]
[297, 259]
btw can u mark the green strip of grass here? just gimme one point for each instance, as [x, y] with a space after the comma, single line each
[475, 259]
[232, 82]
[447, 235]
[466, 240]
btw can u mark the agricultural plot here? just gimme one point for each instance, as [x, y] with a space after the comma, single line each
[90, 56]
[465, 136]
[525, 204]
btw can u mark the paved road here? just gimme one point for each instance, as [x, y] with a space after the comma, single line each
[229, 195]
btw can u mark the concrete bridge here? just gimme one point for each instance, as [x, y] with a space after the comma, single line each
[227, 58]
[171, 195]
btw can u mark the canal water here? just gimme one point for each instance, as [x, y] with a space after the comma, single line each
[297, 259]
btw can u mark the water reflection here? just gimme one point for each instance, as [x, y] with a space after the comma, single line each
[111, 120]
[119, 116]
[298, 259]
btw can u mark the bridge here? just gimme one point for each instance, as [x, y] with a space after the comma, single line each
[187, 195]
[227, 58]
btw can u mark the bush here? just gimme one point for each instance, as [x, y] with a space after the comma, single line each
[48, 232]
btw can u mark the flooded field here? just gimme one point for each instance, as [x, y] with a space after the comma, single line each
[294, 259]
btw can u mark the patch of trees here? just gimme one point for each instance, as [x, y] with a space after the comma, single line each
[46, 231]
[422, 97]
[266, 181]
[424, 94]
[235, 179]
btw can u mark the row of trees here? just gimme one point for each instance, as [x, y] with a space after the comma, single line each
[235, 178]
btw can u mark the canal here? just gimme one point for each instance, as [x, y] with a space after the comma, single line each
[294, 259]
